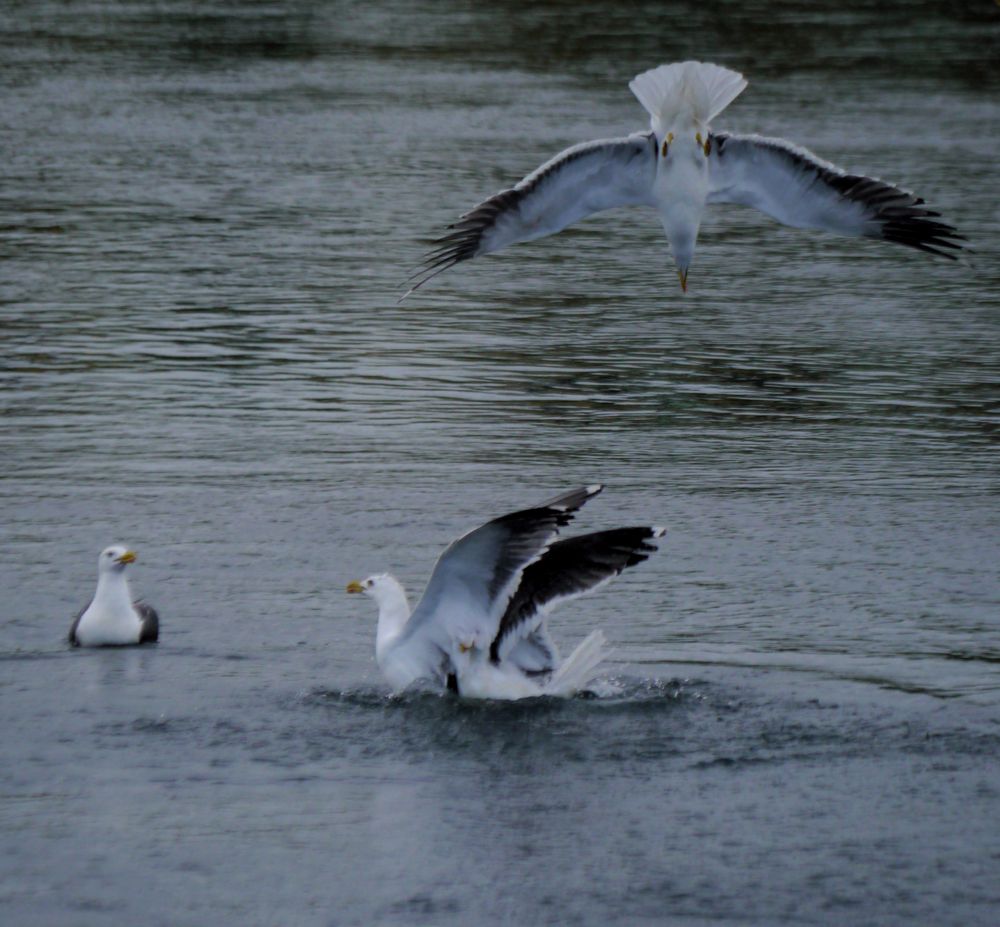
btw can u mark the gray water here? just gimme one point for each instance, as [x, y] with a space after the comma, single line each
[208, 211]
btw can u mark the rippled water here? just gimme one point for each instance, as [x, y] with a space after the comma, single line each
[208, 211]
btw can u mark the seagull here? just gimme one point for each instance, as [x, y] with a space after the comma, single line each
[678, 168]
[112, 618]
[479, 628]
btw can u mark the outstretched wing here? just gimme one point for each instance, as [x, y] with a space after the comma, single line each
[795, 187]
[476, 575]
[577, 182]
[566, 570]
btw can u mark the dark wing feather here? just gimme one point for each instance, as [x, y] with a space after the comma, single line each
[530, 530]
[576, 183]
[795, 187]
[71, 637]
[149, 629]
[567, 569]
[474, 576]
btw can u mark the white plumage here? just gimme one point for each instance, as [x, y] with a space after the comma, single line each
[678, 168]
[480, 628]
[686, 94]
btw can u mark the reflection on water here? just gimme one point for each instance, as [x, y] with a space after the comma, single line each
[209, 211]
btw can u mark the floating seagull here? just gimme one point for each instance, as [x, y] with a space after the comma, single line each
[112, 618]
[678, 168]
[480, 627]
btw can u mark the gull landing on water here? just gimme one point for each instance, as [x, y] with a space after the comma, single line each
[112, 619]
[479, 628]
[678, 168]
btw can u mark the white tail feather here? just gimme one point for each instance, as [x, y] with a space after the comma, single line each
[687, 90]
[578, 668]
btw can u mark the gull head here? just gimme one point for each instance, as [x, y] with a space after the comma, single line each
[114, 559]
[381, 587]
[393, 613]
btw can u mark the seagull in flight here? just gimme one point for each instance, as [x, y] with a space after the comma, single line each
[479, 629]
[681, 166]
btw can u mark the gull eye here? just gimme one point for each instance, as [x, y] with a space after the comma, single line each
[708, 146]
[663, 150]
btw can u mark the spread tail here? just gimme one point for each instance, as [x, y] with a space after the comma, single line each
[578, 669]
[690, 89]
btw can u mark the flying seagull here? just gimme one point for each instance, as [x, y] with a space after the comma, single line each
[678, 168]
[112, 618]
[479, 628]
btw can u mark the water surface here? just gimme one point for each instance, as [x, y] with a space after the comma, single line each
[208, 212]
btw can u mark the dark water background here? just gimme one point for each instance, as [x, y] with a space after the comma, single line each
[206, 213]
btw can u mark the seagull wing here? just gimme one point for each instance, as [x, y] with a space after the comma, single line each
[566, 570]
[149, 622]
[795, 187]
[71, 637]
[579, 181]
[474, 579]
[535, 654]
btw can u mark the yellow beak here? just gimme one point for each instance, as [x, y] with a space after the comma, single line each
[683, 277]
[127, 557]
[355, 586]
